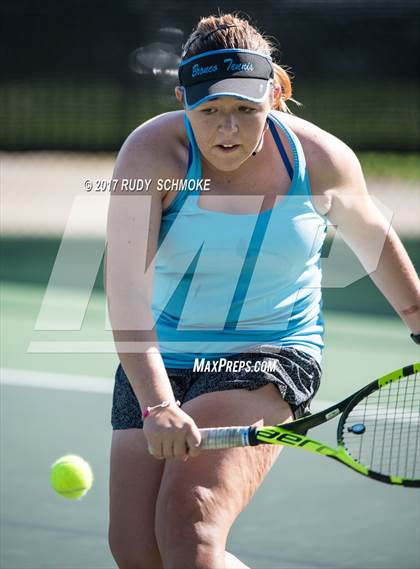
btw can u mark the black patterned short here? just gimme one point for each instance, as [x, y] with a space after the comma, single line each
[296, 374]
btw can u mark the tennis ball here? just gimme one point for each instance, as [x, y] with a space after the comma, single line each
[71, 476]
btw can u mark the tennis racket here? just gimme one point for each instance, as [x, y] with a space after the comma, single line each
[377, 435]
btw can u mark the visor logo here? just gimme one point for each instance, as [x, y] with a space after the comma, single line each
[238, 66]
[197, 70]
[231, 67]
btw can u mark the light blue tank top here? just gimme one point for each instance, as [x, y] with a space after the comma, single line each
[226, 282]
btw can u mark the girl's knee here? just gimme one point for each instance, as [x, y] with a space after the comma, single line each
[199, 545]
[185, 520]
[195, 510]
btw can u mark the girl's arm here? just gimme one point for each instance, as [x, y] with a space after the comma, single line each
[132, 235]
[366, 230]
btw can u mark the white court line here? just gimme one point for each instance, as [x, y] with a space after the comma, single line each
[48, 380]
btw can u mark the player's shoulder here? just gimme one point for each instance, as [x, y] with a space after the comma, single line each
[330, 161]
[323, 151]
[159, 140]
[316, 142]
[162, 127]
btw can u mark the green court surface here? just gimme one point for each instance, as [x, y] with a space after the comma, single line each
[309, 513]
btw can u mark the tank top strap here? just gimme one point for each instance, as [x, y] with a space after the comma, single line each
[299, 163]
[190, 156]
[280, 147]
[193, 172]
[189, 198]
[194, 159]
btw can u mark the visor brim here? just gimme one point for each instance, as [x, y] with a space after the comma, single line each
[250, 89]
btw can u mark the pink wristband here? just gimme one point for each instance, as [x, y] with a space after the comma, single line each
[160, 405]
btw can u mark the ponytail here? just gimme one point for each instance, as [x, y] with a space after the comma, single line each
[281, 78]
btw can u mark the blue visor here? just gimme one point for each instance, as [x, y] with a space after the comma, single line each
[226, 72]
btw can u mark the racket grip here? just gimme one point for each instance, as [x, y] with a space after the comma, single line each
[224, 437]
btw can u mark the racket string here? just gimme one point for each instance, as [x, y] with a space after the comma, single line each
[389, 442]
[416, 441]
[388, 393]
[409, 438]
[401, 442]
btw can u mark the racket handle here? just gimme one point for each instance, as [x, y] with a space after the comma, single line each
[224, 437]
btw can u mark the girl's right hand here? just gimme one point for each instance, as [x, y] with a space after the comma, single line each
[171, 433]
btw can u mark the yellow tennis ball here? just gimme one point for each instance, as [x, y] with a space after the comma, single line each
[71, 476]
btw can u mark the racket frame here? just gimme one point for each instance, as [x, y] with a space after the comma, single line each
[293, 434]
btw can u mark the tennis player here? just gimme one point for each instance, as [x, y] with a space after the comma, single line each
[227, 327]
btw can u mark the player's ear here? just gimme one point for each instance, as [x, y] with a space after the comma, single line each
[179, 94]
[275, 94]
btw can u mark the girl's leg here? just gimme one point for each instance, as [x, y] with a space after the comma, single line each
[200, 499]
[135, 478]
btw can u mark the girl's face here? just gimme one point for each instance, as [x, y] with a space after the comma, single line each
[228, 129]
